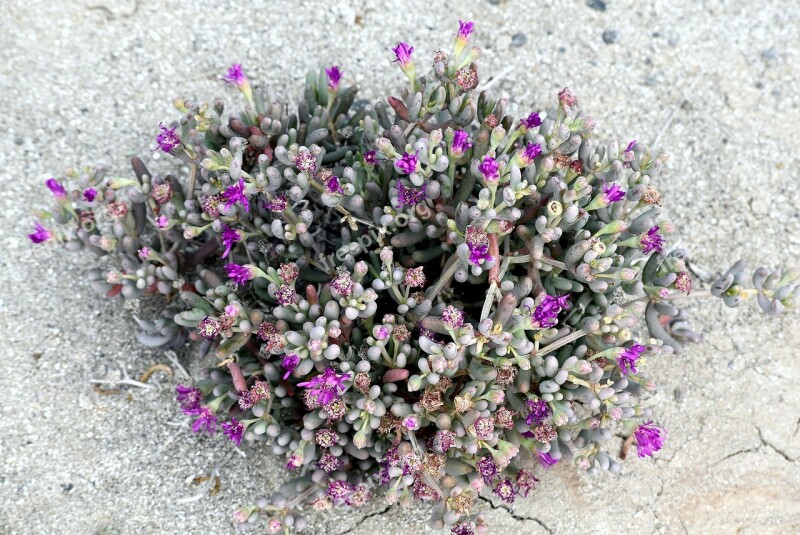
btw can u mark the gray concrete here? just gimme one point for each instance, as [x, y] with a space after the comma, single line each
[89, 80]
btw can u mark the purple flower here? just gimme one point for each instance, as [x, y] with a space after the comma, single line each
[460, 143]
[162, 221]
[410, 196]
[546, 460]
[531, 121]
[465, 29]
[167, 139]
[369, 157]
[278, 204]
[453, 317]
[630, 146]
[240, 274]
[41, 234]
[403, 53]
[332, 185]
[627, 359]
[489, 169]
[209, 327]
[325, 388]
[546, 313]
[539, 411]
[144, 253]
[334, 77]
[649, 439]
[289, 363]
[479, 253]
[189, 399]
[236, 193]
[286, 295]
[54, 186]
[613, 193]
[234, 431]
[526, 482]
[89, 194]
[652, 241]
[532, 150]
[505, 489]
[487, 468]
[340, 491]
[407, 164]
[235, 75]
[229, 237]
[206, 421]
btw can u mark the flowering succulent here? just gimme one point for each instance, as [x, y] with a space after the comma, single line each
[413, 295]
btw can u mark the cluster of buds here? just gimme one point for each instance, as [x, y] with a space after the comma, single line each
[416, 295]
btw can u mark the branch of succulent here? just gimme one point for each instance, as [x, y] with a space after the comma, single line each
[472, 284]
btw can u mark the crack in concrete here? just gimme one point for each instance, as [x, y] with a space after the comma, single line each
[735, 453]
[773, 447]
[365, 518]
[514, 515]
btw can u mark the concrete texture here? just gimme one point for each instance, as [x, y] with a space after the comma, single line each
[89, 80]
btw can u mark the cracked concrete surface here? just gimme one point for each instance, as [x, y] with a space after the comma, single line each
[90, 80]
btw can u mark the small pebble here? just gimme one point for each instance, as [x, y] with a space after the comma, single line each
[610, 36]
[518, 39]
[597, 5]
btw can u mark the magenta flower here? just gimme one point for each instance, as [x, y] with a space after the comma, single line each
[334, 77]
[465, 29]
[369, 157]
[235, 75]
[613, 193]
[56, 188]
[89, 194]
[229, 237]
[652, 241]
[206, 421]
[40, 234]
[236, 193]
[479, 254]
[407, 164]
[289, 363]
[630, 146]
[240, 274]
[460, 143]
[531, 121]
[144, 253]
[546, 313]
[531, 151]
[489, 169]
[167, 139]
[539, 411]
[162, 221]
[546, 460]
[649, 439]
[410, 196]
[234, 431]
[403, 53]
[189, 399]
[627, 359]
[333, 186]
[325, 388]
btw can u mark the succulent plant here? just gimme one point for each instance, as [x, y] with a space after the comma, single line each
[424, 295]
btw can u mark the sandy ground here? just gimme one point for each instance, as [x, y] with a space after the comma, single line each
[89, 80]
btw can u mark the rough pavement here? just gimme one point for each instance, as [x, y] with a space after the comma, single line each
[715, 83]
